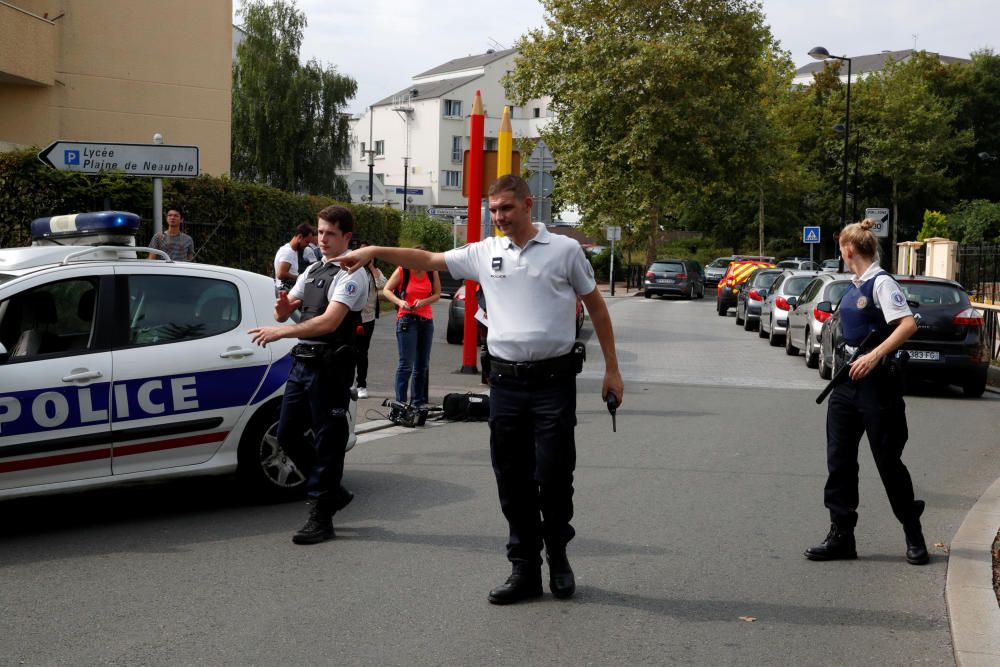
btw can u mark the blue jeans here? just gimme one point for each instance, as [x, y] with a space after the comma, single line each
[414, 357]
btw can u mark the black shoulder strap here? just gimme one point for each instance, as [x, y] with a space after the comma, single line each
[404, 281]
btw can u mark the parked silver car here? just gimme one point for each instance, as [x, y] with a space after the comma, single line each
[784, 293]
[805, 321]
[752, 295]
[798, 265]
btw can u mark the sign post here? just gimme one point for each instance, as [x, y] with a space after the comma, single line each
[811, 236]
[881, 229]
[614, 234]
[155, 160]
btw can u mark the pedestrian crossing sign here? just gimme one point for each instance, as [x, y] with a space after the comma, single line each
[810, 234]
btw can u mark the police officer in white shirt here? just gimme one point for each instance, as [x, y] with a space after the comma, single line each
[873, 309]
[318, 390]
[530, 279]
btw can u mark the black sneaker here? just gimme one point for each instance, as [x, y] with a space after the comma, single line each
[838, 545]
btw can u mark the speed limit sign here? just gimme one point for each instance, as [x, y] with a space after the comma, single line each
[881, 218]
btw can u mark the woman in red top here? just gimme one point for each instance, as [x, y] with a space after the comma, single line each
[413, 292]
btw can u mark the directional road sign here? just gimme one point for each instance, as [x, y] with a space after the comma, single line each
[88, 157]
[810, 234]
[881, 218]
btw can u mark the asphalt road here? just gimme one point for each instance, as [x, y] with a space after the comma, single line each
[691, 522]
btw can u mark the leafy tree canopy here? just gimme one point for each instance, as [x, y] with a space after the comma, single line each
[288, 130]
[654, 101]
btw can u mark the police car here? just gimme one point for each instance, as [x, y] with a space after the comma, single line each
[118, 368]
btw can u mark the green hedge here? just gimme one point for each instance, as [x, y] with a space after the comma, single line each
[232, 223]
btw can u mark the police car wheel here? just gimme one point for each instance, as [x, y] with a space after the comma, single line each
[265, 468]
[812, 359]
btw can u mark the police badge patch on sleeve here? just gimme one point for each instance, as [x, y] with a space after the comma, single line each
[352, 288]
[898, 299]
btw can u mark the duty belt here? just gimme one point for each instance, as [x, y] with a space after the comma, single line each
[308, 351]
[533, 370]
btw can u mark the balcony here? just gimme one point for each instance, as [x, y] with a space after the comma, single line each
[27, 47]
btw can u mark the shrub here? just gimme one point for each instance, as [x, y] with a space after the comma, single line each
[935, 226]
[233, 223]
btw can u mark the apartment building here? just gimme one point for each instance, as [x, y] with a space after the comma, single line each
[118, 71]
[419, 134]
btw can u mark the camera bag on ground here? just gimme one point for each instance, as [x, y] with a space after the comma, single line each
[466, 407]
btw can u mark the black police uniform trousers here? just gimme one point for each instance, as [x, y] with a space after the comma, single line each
[318, 396]
[534, 455]
[872, 405]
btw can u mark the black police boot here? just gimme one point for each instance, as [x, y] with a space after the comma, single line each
[916, 548]
[524, 583]
[342, 498]
[561, 580]
[318, 528]
[838, 545]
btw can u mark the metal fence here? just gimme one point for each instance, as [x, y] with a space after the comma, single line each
[634, 274]
[979, 272]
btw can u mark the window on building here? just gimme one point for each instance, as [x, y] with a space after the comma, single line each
[457, 144]
[536, 112]
[451, 179]
[380, 147]
[490, 143]
[362, 149]
[453, 108]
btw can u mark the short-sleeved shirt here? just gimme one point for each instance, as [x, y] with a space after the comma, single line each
[287, 254]
[887, 293]
[350, 289]
[531, 292]
[180, 246]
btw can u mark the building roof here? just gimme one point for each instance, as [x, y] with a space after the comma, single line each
[428, 90]
[469, 62]
[874, 62]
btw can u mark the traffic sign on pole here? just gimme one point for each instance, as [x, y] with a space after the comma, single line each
[810, 234]
[881, 218]
[89, 157]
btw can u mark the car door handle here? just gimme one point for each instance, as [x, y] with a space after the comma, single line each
[236, 353]
[82, 374]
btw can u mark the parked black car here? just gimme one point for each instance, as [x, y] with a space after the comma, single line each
[681, 277]
[750, 298]
[948, 347]
[449, 285]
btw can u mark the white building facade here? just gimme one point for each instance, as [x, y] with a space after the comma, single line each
[420, 134]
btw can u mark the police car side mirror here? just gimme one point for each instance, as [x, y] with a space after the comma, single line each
[793, 301]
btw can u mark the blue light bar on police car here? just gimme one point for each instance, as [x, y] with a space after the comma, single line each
[85, 224]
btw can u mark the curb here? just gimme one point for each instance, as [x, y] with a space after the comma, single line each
[969, 594]
[993, 377]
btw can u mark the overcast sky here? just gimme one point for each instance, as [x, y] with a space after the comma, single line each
[382, 43]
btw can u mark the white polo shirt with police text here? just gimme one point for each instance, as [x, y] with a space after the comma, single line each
[530, 292]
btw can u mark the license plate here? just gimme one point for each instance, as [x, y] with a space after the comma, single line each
[925, 355]
[664, 281]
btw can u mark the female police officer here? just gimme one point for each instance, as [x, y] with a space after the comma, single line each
[318, 390]
[531, 279]
[871, 401]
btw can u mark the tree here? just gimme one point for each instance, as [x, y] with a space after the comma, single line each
[289, 130]
[654, 101]
[910, 137]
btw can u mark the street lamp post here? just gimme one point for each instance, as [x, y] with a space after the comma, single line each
[820, 53]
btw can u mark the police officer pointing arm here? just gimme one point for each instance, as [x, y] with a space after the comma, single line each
[318, 390]
[530, 279]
